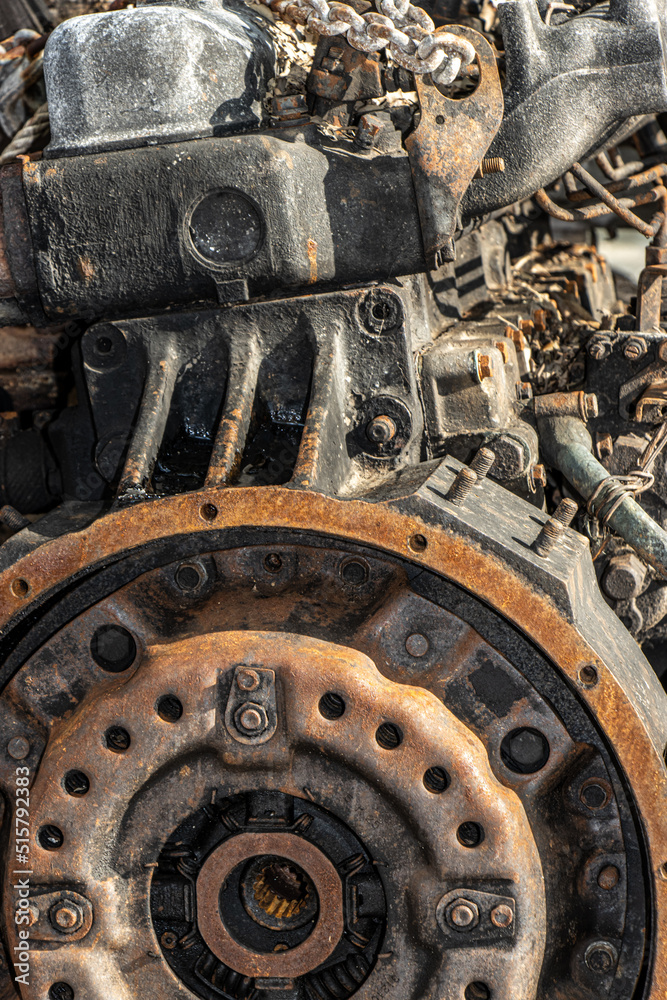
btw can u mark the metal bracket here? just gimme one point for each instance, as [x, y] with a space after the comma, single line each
[470, 917]
[446, 148]
[251, 715]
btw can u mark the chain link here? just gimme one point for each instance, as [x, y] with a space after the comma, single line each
[406, 31]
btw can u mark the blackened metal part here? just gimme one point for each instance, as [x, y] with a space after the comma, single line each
[238, 379]
[29, 478]
[555, 75]
[455, 656]
[447, 147]
[327, 214]
[18, 245]
[154, 74]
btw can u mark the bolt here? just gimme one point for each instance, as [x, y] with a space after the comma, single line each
[462, 914]
[491, 165]
[599, 348]
[12, 519]
[502, 916]
[539, 475]
[461, 486]
[33, 915]
[251, 718]
[565, 512]
[381, 430]
[273, 562]
[624, 577]
[608, 877]
[601, 957]
[548, 536]
[18, 748]
[484, 367]
[247, 680]
[417, 644]
[525, 750]
[482, 462]
[589, 405]
[635, 348]
[66, 916]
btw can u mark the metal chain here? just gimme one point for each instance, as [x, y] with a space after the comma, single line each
[406, 31]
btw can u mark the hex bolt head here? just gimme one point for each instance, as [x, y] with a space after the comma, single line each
[247, 680]
[461, 487]
[66, 916]
[484, 367]
[624, 577]
[251, 719]
[539, 475]
[18, 748]
[462, 914]
[502, 916]
[381, 430]
[590, 405]
[599, 348]
[635, 348]
[601, 957]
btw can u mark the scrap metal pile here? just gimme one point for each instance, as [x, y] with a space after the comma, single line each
[332, 456]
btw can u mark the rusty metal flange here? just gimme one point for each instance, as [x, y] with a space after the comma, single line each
[483, 546]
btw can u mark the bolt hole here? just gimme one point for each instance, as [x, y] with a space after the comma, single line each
[389, 736]
[61, 991]
[417, 543]
[50, 837]
[477, 991]
[470, 834]
[436, 780]
[381, 311]
[76, 783]
[113, 648]
[169, 708]
[662, 871]
[354, 572]
[20, 588]
[331, 705]
[273, 563]
[188, 577]
[169, 940]
[117, 739]
[208, 511]
[104, 345]
[588, 675]
[595, 793]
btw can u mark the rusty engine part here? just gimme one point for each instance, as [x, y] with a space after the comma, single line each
[310, 687]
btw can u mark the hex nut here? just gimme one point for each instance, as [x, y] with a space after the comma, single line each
[462, 914]
[66, 916]
[381, 430]
[624, 577]
[251, 719]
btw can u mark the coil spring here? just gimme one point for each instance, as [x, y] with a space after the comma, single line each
[338, 981]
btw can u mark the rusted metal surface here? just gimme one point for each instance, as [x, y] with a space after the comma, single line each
[447, 146]
[599, 680]
[320, 943]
